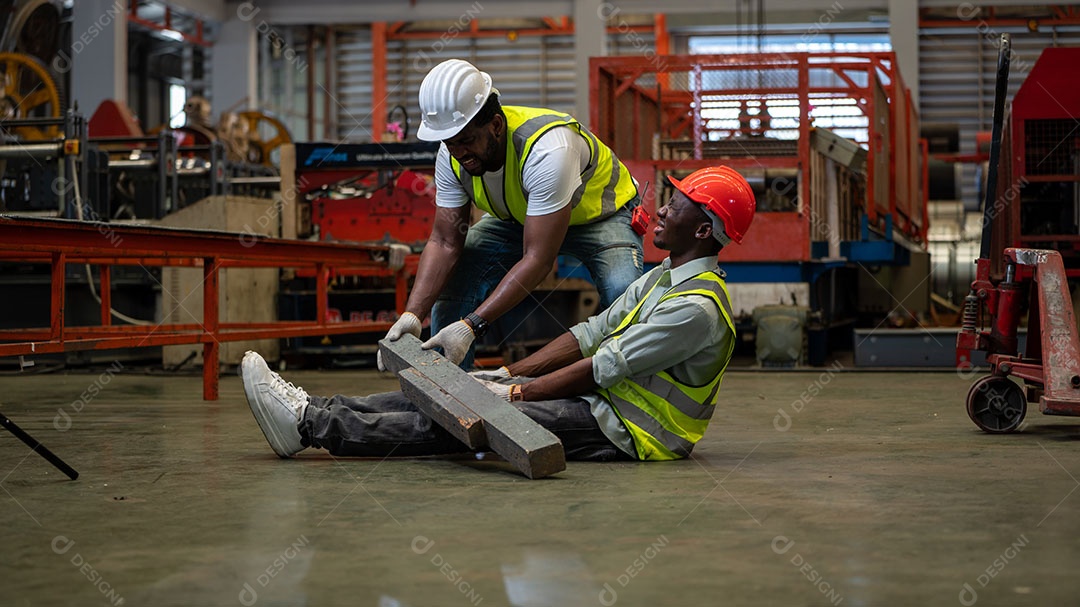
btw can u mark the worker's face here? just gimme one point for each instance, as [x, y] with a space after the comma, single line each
[680, 222]
[479, 149]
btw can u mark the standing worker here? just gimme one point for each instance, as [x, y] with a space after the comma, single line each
[548, 187]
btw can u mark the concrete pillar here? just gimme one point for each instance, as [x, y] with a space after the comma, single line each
[234, 65]
[98, 59]
[590, 40]
[904, 33]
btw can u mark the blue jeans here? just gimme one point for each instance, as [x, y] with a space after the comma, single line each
[609, 249]
[381, 425]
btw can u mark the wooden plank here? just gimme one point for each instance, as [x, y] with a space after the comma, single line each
[441, 406]
[527, 445]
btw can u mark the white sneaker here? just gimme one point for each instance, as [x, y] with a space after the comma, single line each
[277, 404]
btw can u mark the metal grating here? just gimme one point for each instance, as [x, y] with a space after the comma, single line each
[1050, 146]
[352, 84]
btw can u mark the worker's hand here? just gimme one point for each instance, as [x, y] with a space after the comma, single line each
[454, 339]
[492, 375]
[508, 392]
[408, 323]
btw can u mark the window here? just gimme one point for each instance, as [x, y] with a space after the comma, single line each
[777, 115]
[177, 98]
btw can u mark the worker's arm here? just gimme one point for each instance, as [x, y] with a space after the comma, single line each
[581, 340]
[543, 235]
[558, 353]
[440, 255]
[675, 331]
[574, 380]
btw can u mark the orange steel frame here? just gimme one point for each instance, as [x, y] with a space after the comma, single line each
[628, 125]
[60, 242]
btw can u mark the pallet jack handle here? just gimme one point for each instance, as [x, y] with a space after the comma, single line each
[1001, 88]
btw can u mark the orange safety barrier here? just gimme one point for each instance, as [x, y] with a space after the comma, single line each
[59, 242]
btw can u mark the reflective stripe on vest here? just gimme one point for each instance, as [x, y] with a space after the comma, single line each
[664, 416]
[606, 185]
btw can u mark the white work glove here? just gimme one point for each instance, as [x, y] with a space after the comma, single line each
[489, 375]
[508, 392]
[408, 323]
[454, 339]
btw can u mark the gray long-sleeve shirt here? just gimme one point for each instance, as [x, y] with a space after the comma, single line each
[685, 336]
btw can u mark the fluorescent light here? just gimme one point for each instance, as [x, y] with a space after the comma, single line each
[172, 35]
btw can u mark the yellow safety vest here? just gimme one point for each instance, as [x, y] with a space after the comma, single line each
[665, 416]
[606, 184]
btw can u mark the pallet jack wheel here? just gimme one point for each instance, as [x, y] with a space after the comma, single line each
[996, 404]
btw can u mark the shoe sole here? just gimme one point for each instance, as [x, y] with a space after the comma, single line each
[263, 417]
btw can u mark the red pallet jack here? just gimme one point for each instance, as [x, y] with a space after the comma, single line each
[1050, 366]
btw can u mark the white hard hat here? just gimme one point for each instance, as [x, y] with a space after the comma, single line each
[450, 95]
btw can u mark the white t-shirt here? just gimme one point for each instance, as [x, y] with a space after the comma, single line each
[551, 175]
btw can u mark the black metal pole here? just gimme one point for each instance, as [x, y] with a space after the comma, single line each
[1000, 90]
[38, 447]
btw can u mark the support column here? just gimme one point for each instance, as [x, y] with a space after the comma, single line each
[235, 63]
[904, 33]
[590, 40]
[98, 60]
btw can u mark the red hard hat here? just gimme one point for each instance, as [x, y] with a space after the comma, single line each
[724, 194]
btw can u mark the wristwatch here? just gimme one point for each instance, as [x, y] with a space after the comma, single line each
[479, 325]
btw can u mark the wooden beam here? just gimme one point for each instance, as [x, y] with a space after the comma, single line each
[527, 445]
[441, 406]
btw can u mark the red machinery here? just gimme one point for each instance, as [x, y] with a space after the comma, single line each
[757, 113]
[1042, 172]
[374, 194]
[368, 192]
[1050, 367]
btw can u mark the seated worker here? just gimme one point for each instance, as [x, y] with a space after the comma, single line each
[637, 381]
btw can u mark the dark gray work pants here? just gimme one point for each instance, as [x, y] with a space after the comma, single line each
[389, 424]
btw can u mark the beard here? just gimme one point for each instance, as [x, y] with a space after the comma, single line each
[492, 160]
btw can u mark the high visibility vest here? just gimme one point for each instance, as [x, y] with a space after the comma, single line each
[606, 185]
[665, 416]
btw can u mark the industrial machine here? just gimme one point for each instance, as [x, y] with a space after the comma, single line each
[1041, 159]
[156, 173]
[1009, 278]
[359, 193]
[830, 144]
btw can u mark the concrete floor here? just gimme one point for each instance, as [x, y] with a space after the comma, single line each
[879, 492]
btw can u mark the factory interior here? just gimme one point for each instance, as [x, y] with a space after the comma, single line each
[217, 215]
